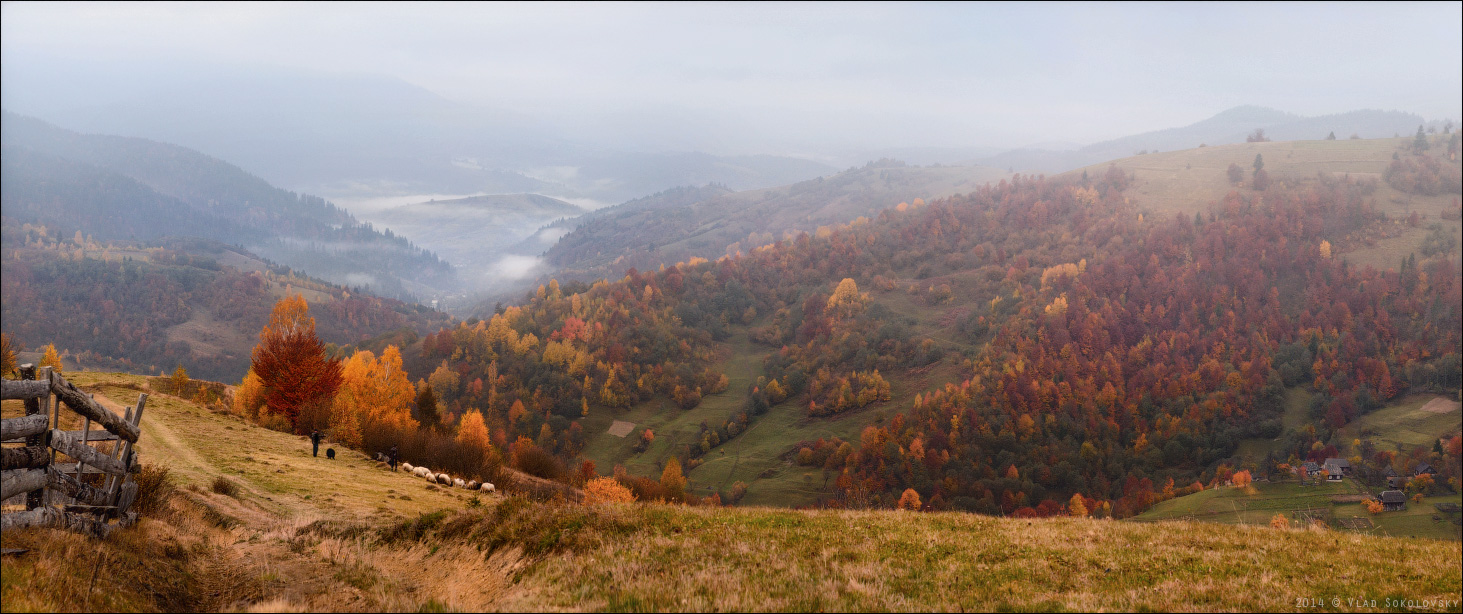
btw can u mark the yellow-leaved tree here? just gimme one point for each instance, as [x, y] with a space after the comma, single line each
[49, 358]
[1076, 506]
[249, 397]
[472, 432]
[375, 400]
[672, 480]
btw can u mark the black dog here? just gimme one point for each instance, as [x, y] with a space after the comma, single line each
[330, 453]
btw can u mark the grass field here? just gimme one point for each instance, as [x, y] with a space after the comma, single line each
[1188, 181]
[349, 536]
[1331, 500]
[1297, 402]
[1405, 424]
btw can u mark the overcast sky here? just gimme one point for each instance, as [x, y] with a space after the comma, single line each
[780, 78]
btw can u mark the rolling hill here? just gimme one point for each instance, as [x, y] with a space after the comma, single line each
[1226, 128]
[303, 533]
[713, 221]
[118, 188]
[1012, 328]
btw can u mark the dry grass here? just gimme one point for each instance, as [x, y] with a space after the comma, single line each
[320, 537]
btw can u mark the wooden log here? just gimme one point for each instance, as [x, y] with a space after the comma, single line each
[29, 457]
[73, 488]
[18, 481]
[53, 517]
[70, 468]
[11, 389]
[21, 428]
[100, 510]
[75, 448]
[127, 496]
[81, 404]
[134, 417]
[33, 407]
[94, 436]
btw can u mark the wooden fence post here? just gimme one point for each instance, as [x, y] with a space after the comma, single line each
[33, 499]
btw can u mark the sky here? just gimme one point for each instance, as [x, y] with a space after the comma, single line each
[809, 78]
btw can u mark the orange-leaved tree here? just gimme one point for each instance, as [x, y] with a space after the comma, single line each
[606, 490]
[291, 364]
[909, 500]
[375, 398]
[1242, 479]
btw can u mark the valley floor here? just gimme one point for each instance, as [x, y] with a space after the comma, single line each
[308, 534]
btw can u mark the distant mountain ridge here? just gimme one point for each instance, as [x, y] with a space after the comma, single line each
[131, 188]
[1227, 127]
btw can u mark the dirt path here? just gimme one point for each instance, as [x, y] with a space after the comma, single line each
[261, 559]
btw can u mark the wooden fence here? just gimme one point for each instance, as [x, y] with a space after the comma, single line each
[64, 494]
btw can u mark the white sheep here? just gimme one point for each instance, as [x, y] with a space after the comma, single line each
[487, 487]
[459, 483]
[431, 477]
[407, 467]
[473, 484]
[421, 472]
[444, 479]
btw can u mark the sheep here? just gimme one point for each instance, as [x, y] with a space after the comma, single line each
[444, 479]
[407, 467]
[330, 453]
[473, 485]
[487, 487]
[458, 483]
[431, 477]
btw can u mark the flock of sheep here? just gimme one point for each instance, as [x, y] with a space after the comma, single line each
[447, 480]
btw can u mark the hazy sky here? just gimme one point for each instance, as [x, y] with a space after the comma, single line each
[790, 77]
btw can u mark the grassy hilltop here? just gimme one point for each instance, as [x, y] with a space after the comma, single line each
[304, 534]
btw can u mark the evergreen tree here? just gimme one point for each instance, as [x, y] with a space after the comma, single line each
[1419, 144]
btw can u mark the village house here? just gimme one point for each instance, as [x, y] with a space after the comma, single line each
[1336, 468]
[1424, 468]
[1393, 500]
[1393, 480]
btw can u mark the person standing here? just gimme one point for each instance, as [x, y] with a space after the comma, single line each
[315, 438]
[392, 457]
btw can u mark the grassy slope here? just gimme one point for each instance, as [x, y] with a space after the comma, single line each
[1296, 402]
[1404, 425]
[1336, 500]
[272, 548]
[1178, 182]
[1186, 181]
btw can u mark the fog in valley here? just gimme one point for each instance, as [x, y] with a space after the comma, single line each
[486, 133]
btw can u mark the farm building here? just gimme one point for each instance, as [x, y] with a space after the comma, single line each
[1394, 500]
[1336, 468]
[1424, 468]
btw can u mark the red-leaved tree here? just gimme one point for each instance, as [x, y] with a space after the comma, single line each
[291, 364]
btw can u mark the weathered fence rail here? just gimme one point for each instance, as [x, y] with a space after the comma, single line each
[57, 494]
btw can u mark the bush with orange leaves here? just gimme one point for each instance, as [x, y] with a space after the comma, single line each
[606, 490]
[1374, 506]
[910, 500]
[1279, 521]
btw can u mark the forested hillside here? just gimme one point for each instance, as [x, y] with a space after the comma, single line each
[116, 188]
[1070, 341]
[712, 221]
[200, 304]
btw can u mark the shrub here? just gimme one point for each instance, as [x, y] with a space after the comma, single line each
[606, 490]
[223, 486]
[154, 488]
